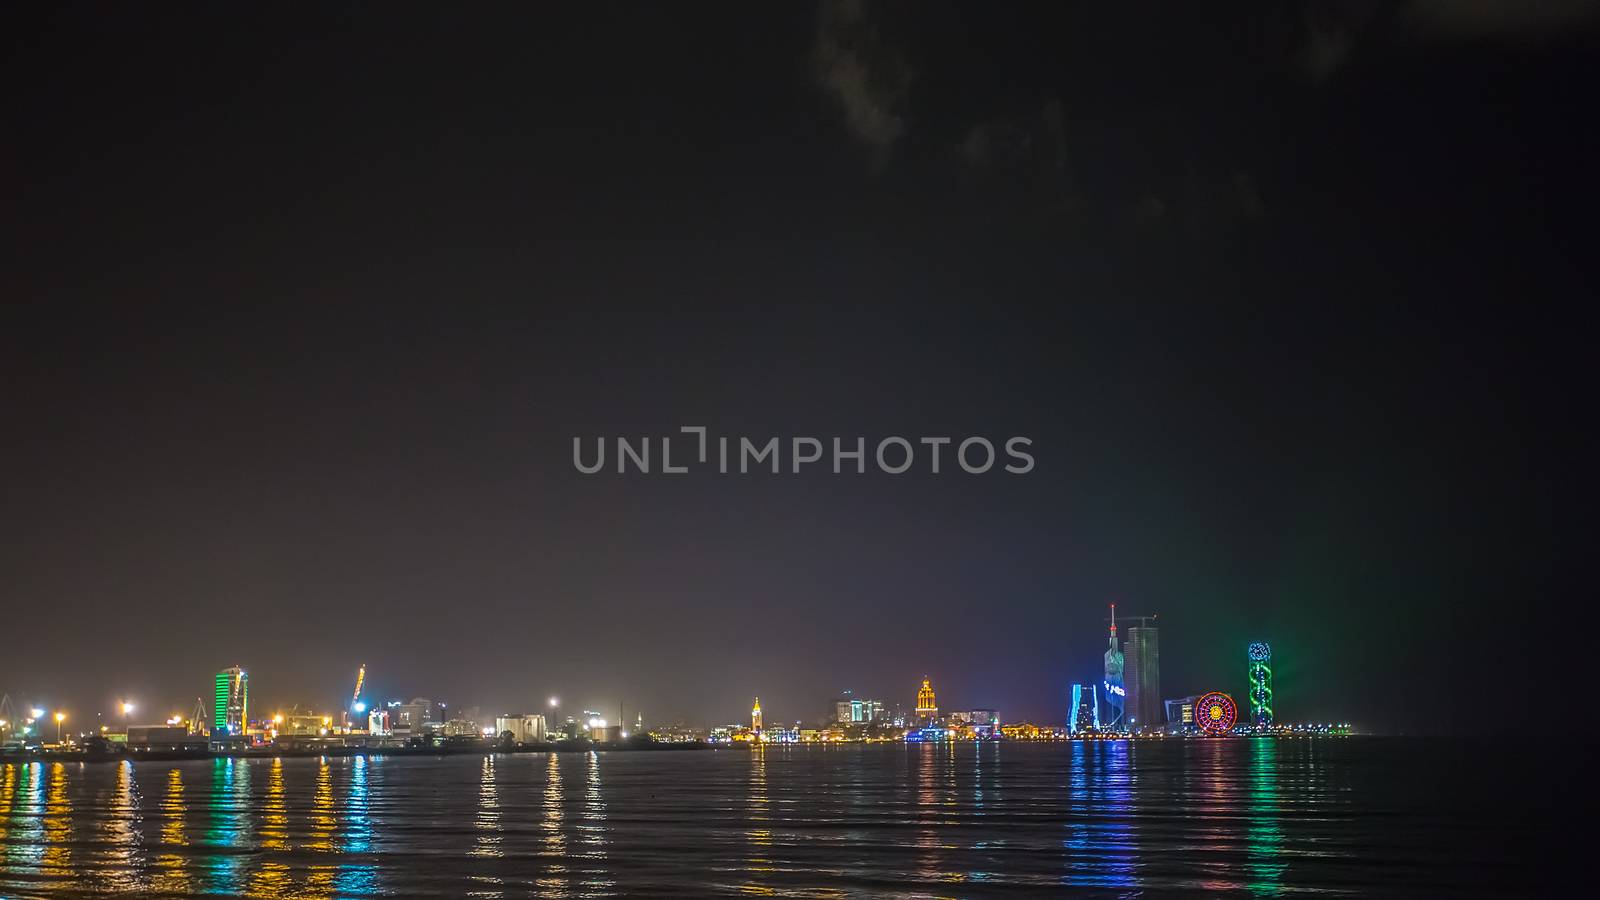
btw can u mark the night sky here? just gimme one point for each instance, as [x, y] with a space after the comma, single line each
[303, 309]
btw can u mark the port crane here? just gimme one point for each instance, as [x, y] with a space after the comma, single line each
[356, 706]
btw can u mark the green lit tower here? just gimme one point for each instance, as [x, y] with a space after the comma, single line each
[232, 701]
[1260, 653]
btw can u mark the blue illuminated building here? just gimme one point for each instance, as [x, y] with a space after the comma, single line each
[1114, 692]
[1084, 713]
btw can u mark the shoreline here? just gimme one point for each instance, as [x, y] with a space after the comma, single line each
[342, 751]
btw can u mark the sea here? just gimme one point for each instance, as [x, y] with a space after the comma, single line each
[1357, 816]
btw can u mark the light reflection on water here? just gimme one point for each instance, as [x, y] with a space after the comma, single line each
[357, 877]
[1257, 817]
[552, 880]
[170, 872]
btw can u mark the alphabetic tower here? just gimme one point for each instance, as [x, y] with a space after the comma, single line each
[1260, 675]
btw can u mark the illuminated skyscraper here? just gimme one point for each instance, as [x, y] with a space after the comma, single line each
[1260, 680]
[1112, 716]
[1141, 675]
[230, 709]
[755, 716]
[927, 706]
[1084, 713]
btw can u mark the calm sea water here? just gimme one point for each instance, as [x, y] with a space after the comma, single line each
[1262, 817]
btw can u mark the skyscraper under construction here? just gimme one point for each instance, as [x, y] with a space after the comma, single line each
[1141, 675]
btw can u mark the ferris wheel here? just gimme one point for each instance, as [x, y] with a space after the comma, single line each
[1216, 713]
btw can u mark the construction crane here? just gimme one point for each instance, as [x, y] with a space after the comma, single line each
[356, 706]
[1145, 621]
[361, 677]
[197, 719]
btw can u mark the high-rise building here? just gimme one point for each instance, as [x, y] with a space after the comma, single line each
[755, 716]
[848, 710]
[1084, 713]
[1141, 675]
[1111, 717]
[927, 705]
[1260, 679]
[231, 706]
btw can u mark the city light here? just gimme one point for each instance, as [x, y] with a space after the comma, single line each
[127, 708]
[554, 703]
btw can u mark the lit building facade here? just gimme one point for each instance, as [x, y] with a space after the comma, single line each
[927, 703]
[231, 703]
[527, 729]
[847, 710]
[1180, 714]
[1260, 681]
[755, 716]
[1084, 713]
[419, 716]
[1141, 677]
[305, 724]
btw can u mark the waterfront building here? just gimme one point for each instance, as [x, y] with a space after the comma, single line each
[1111, 716]
[927, 704]
[755, 716]
[148, 738]
[1141, 676]
[378, 722]
[303, 724]
[1084, 713]
[848, 710]
[844, 708]
[1180, 714]
[524, 729]
[231, 702]
[1260, 681]
[461, 727]
[419, 716]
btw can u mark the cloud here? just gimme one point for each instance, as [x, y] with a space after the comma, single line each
[1515, 19]
[1333, 32]
[868, 77]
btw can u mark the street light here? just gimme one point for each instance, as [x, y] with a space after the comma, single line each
[554, 703]
[60, 717]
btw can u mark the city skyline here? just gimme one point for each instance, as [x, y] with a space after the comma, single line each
[296, 363]
[228, 713]
[843, 447]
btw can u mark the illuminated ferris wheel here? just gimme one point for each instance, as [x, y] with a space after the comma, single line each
[1216, 713]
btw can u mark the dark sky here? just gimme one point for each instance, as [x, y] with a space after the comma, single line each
[304, 308]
